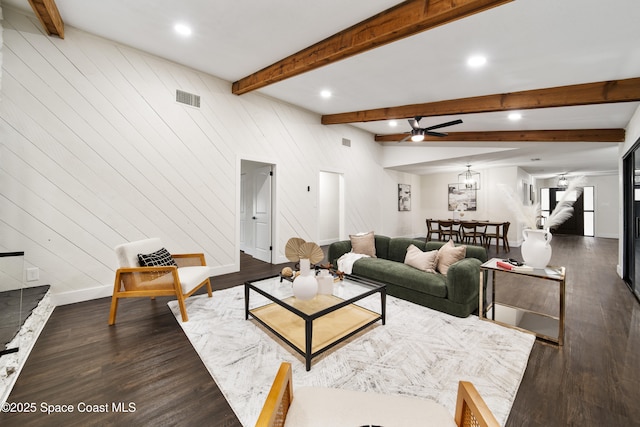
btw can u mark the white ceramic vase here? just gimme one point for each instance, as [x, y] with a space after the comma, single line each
[536, 251]
[305, 285]
[325, 283]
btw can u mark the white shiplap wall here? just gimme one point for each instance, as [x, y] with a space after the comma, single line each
[95, 152]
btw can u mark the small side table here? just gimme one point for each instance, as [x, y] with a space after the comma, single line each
[540, 324]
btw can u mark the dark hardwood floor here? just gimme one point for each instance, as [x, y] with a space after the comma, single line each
[146, 360]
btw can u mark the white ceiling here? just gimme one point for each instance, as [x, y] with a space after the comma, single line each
[529, 44]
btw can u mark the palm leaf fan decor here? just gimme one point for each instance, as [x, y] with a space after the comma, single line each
[292, 248]
[311, 251]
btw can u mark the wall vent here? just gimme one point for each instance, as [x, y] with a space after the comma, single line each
[346, 142]
[187, 98]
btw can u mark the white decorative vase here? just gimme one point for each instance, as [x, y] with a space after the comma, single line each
[536, 251]
[325, 283]
[305, 285]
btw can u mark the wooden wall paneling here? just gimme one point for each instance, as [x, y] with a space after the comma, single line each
[53, 185]
[170, 171]
[97, 123]
[24, 136]
[187, 137]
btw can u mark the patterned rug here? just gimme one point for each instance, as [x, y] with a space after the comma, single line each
[419, 352]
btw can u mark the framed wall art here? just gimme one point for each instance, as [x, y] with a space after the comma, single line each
[404, 197]
[461, 198]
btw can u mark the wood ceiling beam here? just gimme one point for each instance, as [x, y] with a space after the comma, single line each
[403, 20]
[566, 135]
[627, 90]
[49, 16]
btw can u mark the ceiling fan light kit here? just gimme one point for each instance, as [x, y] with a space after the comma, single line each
[418, 134]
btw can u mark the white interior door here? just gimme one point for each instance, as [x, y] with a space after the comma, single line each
[262, 213]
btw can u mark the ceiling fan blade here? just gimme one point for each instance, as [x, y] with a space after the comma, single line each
[442, 125]
[436, 133]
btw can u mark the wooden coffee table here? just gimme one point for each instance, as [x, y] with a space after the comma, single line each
[313, 326]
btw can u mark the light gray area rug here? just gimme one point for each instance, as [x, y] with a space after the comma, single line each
[419, 352]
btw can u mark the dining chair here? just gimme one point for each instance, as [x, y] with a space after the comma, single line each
[473, 232]
[499, 232]
[505, 236]
[431, 230]
[446, 228]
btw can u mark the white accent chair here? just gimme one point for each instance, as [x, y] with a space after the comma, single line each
[322, 407]
[133, 281]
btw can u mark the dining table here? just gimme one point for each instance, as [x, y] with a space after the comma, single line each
[500, 227]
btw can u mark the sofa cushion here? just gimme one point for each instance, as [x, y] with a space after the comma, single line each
[363, 243]
[322, 407]
[477, 252]
[449, 254]
[127, 253]
[386, 271]
[424, 261]
[382, 246]
[398, 248]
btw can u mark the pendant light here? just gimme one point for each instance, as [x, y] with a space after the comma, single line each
[469, 180]
[563, 182]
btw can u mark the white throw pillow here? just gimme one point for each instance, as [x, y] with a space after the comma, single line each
[425, 261]
[449, 254]
[363, 243]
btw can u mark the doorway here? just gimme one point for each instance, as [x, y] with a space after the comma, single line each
[256, 202]
[330, 207]
[582, 221]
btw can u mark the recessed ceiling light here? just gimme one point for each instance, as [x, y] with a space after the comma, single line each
[325, 94]
[393, 123]
[182, 29]
[515, 116]
[476, 61]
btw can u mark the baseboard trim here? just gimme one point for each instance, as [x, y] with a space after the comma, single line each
[96, 292]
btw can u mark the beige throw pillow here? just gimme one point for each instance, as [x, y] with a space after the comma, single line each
[449, 254]
[425, 261]
[363, 243]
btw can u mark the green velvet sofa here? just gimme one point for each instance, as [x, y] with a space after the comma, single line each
[456, 293]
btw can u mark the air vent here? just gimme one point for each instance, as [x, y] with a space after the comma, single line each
[187, 98]
[346, 142]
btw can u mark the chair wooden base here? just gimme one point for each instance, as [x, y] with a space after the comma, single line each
[152, 294]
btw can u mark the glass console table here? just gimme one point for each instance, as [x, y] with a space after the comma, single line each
[545, 326]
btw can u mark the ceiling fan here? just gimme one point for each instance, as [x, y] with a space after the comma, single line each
[417, 133]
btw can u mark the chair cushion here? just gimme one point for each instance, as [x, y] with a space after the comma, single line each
[161, 257]
[127, 253]
[322, 407]
[190, 277]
